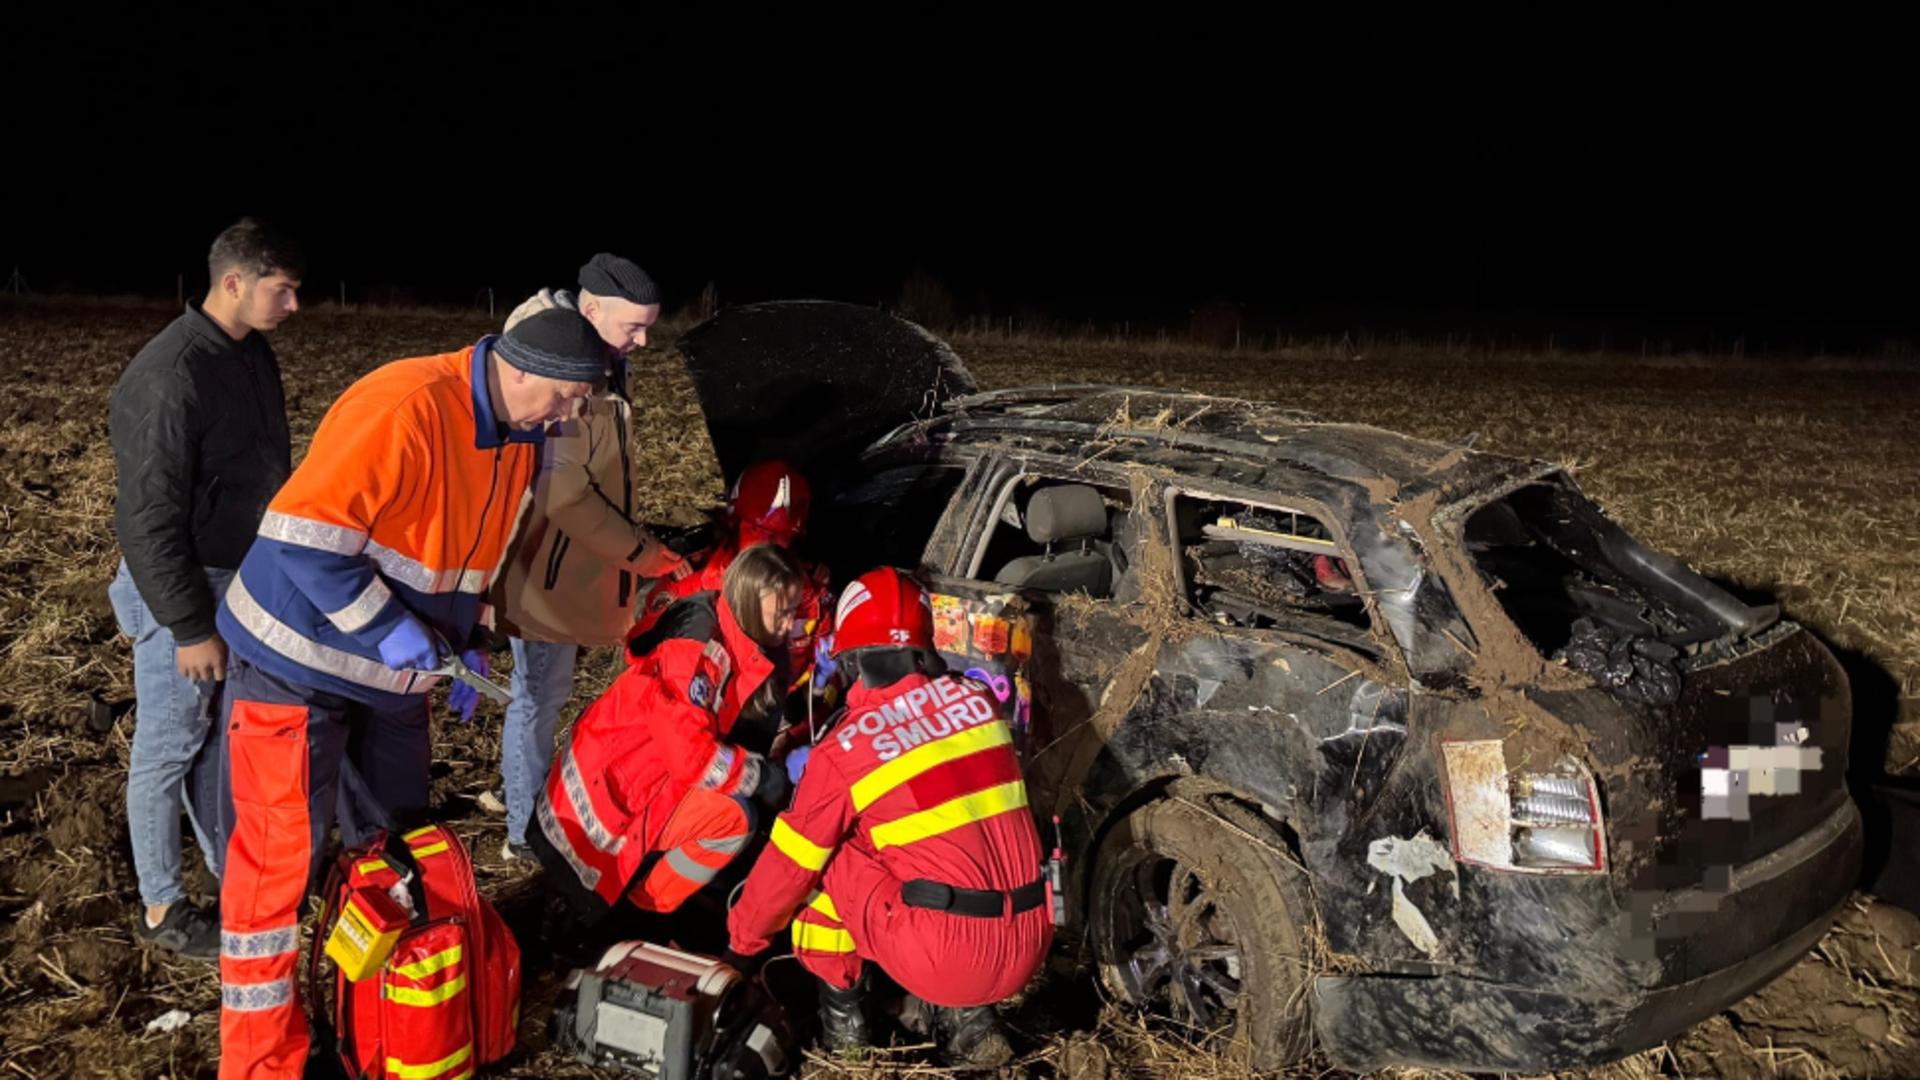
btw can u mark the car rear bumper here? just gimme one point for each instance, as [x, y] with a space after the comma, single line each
[1451, 1021]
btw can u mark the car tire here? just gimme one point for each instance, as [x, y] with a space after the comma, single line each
[1202, 919]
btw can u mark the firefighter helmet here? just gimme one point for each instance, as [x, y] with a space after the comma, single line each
[882, 609]
[769, 503]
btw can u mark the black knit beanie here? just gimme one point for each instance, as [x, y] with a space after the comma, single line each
[611, 275]
[556, 343]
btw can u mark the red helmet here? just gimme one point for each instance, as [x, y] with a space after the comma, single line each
[769, 502]
[882, 608]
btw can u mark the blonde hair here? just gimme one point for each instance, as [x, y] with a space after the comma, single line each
[755, 572]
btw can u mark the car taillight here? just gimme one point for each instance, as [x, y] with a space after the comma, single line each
[1542, 821]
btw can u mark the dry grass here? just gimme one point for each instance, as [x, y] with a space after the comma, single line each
[1803, 479]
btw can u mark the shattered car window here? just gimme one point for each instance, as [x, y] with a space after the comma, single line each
[1262, 567]
[893, 514]
[1562, 571]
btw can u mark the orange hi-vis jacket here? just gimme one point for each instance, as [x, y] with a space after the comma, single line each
[916, 781]
[405, 502]
[658, 732]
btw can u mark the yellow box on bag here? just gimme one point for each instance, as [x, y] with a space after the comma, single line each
[364, 934]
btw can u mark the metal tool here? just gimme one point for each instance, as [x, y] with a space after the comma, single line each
[456, 669]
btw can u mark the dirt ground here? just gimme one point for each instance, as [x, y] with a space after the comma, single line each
[1798, 477]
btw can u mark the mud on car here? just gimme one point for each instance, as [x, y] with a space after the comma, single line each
[1355, 741]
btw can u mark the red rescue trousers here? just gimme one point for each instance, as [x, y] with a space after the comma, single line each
[704, 833]
[938, 956]
[284, 748]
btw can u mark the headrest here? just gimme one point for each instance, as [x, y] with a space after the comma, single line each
[1065, 512]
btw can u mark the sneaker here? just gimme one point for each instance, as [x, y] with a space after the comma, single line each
[188, 929]
[515, 852]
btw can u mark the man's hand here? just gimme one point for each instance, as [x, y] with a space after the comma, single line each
[409, 646]
[461, 698]
[743, 963]
[205, 661]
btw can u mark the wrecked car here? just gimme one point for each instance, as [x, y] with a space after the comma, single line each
[1354, 741]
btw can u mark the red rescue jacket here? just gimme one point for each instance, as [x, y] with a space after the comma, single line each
[923, 776]
[811, 620]
[659, 731]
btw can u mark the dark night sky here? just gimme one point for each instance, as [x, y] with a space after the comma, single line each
[1129, 193]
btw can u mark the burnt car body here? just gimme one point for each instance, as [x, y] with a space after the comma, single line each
[1353, 740]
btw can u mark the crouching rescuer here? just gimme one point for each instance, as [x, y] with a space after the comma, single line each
[654, 794]
[909, 842]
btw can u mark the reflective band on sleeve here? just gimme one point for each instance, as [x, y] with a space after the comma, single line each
[368, 866]
[809, 855]
[809, 937]
[407, 995]
[308, 533]
[439, 961]
[256, 997]
[424, 830]
[400, 1070]
[430, 849]
[557, 836]
[951, 814]
[355, 616]
[869, 788]
[289, 643]
[597, 833]
[420, 577]
[823, 904]
[240, 946]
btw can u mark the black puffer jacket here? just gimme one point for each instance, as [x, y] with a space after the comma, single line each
[199, 426]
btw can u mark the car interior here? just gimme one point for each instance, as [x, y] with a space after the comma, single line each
[1262, 567]
[1061, 537]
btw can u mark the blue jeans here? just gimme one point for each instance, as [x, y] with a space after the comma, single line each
[170, 724]
[542, 681]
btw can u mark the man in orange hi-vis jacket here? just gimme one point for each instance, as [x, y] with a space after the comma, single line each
[371, 563]
[909, 842]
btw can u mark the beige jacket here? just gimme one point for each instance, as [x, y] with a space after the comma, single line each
[579, 560]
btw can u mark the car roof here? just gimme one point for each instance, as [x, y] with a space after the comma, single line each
[1201, 437]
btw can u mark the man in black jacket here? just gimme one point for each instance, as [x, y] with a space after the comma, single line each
[199, 427]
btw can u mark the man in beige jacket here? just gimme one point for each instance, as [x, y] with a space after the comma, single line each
[580, 559]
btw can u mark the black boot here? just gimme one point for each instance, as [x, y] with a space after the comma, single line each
[972, 1037]
[843, 1021]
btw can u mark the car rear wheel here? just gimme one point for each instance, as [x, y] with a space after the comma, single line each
[1198, 919]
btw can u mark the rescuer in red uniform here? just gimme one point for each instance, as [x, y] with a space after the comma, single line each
[909, 842]
[653, 796]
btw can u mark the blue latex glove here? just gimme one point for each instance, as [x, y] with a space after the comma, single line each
[461, 698]
[409, 646]
[797, 762]
[823, 663]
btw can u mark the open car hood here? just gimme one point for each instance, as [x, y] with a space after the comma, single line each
[814, 382]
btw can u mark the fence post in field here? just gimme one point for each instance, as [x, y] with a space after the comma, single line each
[343, 296]
[179, 290]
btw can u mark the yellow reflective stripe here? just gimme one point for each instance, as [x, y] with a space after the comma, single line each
[418, 833]
[430, 849]
[877, 783]
[951, 814]
[823, 904]
[814, 938]
[370, 865]
[407, 995]
[403, 1071]
[439, 961]
[809, 855]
